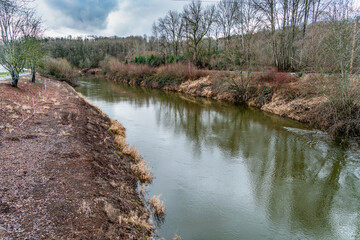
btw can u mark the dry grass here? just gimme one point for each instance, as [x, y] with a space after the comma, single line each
[134, 153]
[138, 166]
[117, 128]
[176, 237]
[157, 206]
[142, 171]
[121, 142]
[134, 218]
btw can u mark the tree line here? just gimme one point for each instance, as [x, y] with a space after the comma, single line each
[291, 35]
[281, 33]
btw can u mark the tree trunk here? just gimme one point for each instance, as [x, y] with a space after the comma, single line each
[195, 54]
[33, 74]
[15, 79]
[353, 46]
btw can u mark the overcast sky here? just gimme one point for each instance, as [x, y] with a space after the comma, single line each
[103, 17]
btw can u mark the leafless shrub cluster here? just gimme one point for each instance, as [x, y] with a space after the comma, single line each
[61, 69]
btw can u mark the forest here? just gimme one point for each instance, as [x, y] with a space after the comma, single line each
[290, 35]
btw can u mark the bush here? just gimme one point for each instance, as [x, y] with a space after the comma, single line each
[178, 72]
[272, 76]
[128, 71]
[155, 61]
[171, 73]
[60, 69]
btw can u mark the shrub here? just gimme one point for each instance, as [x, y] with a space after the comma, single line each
[178, 72]
[140, 60]
[61, 69]
[155, 61]
[272, 76]
[128, 71]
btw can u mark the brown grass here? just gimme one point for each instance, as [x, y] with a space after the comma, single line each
[121, 142]
[134, 153]
[138, 166]
[157, 206]
[135, 219]
[142, 171]
[117, 128]
[176, 237]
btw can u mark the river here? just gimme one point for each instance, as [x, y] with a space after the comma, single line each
[231, 172]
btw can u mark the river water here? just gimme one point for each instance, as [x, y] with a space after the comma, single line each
[230, 172]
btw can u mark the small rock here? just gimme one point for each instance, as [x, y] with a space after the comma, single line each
[3, 232]
[112, 212]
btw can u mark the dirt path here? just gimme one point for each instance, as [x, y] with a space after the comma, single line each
[61, 175]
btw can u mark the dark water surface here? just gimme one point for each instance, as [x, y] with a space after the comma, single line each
[230, 172]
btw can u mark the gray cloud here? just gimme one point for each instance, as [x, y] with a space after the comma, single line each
[135, 17]
[103, 17]
[84, 14]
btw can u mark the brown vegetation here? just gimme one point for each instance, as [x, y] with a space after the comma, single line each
[178, 72]
[142, 171]
[136, 219]
[164, 75]
[117, 128]
[60, 69]
[157, 206]
[176, 237]
[138, 165]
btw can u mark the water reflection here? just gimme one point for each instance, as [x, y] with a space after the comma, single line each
[305, 185]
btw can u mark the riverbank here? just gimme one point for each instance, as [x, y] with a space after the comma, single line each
[311, 99]
[62, 174]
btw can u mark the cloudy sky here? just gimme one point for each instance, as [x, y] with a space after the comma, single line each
[102, 17]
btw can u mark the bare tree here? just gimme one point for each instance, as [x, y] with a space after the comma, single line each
[198, 21]
[247, 23]
[227, 14]
[173, 26]
[284, 19]
[269, 10]
[17, 22]
[340, 51]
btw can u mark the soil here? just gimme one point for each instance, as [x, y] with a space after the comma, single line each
[61, 175]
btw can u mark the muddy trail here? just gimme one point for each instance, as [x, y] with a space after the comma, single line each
[61, 175]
